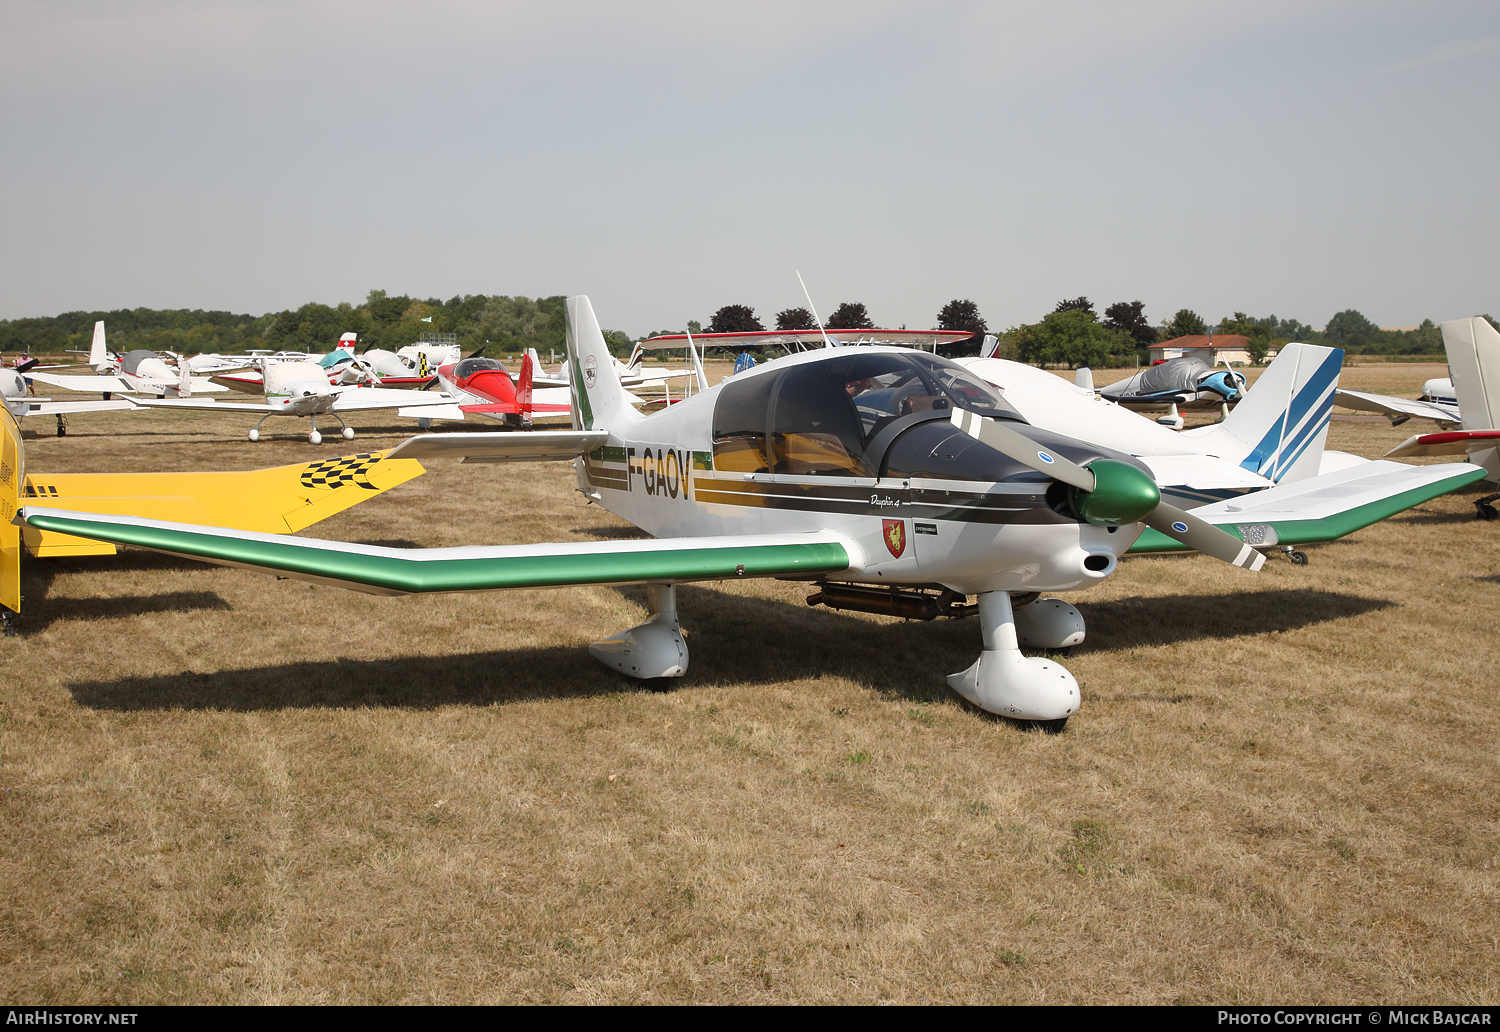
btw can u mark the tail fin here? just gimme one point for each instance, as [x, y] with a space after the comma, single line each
[12, 473]
[536, 361]
[523, 387]
[98, 353]
[184, 378]
[636, 355]
[1084, 378]
[599, 402]
[1278, 430]
[1473, 347]
[990, 346]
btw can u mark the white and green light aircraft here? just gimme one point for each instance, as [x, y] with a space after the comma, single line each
[895, 481]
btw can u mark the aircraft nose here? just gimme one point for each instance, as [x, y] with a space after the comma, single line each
[1122, 494]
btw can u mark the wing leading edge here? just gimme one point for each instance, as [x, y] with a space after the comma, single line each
[401, 571]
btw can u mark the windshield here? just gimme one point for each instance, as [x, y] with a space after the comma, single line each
[817, 418]
[470, 366]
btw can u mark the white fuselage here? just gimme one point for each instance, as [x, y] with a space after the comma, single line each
[969, 536]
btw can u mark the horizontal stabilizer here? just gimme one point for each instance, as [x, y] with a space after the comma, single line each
[1450, 442]
[1400, 409]
[86, 384]
[49, 407]
[401, 571]
[1325, 507]
[535, 446]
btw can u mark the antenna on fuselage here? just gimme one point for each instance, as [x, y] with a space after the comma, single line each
[697, 363]
[810, 307]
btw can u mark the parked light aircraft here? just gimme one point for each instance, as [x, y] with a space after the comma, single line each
[302, 389]
[135, 372]
[19, 403]
[895, 481]
[1185, 382]
[1471, 424]
[482, 386]
[283, 499]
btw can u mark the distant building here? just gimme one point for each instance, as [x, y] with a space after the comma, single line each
[1215, 349]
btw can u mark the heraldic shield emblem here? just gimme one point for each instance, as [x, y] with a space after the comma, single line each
[895, 536]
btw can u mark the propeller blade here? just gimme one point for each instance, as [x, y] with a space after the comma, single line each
[995, 434]
[1204, 537]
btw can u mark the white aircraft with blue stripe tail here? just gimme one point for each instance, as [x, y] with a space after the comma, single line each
[889, 480]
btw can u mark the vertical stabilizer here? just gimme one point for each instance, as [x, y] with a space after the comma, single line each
[1473, 347]
[98, 353]
[1278, 430]
[599, 402]
[12, 473]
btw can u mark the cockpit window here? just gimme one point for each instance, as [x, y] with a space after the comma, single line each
[817, 418]
[470, 366]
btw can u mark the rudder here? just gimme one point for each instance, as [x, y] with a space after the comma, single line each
[1280, 427]
[599, 402]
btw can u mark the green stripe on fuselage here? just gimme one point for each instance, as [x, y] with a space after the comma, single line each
[399, 574]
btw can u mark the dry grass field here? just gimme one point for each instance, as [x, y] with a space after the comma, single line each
[220, 787]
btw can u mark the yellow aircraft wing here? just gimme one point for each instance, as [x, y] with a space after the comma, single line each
[280, 500]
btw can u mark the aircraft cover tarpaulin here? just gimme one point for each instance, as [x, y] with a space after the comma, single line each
[1177, 374]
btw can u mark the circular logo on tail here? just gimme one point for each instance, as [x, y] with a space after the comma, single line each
[590, 371]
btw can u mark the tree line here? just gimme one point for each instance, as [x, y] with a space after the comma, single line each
[497, 322]
[1072, 334]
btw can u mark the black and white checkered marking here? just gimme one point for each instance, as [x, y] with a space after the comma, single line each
[336, 473]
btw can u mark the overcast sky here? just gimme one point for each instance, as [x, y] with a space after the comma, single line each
[668, 158]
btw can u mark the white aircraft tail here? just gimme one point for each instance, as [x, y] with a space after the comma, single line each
[1084, 378]
[1473, 347]
[599, 402]
[98, 353]
[990, 346]
[184, 378]
[1281, 426]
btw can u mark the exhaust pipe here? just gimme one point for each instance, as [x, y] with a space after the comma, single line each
[908, 605]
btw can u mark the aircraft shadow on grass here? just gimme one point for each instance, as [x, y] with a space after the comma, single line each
[734, 640]
[44, 607]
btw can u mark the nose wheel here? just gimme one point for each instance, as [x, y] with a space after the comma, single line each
[1293, 556]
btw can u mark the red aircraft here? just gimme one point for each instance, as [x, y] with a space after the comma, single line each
[483, 386]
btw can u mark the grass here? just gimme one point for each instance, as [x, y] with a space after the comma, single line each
[218, 787]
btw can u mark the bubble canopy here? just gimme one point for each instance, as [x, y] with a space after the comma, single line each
[835, 416]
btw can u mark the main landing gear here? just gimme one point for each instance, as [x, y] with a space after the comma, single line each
[1021, 687]
[1484, 508]
[652, 650]
[1293, 556]
[1002, 680]
[313, 437]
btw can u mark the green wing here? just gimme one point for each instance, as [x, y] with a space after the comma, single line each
[404, 571]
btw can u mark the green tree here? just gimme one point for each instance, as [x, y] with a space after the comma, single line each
[1130, 316]
[962, 315]
[1350, 330]
[735, 319]
[1077, 304]
[851, 315]
[1186, 323]
[795, 319]
[1073, 337]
